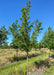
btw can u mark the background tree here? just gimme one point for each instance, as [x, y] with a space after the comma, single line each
[14, 30]
[44, 40]
[36, 30]
[3, 36]
[5, 45]
[39, 46]
[47, 40]
[50, 39]
[34, 41]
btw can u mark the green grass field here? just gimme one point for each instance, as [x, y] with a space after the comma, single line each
[50, 72]
[20, 67]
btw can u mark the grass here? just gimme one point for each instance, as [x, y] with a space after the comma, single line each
[22, 57]
[6, 54]
[9, 53]
[0, 60]
[51, 70]
[3, 51]
[20, 67]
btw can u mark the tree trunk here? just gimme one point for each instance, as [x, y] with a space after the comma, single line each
[49, 53]
[17, 51]
[45, 53]
[35, 51]
[27, 64]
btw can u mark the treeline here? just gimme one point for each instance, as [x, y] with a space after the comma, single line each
[47, 40]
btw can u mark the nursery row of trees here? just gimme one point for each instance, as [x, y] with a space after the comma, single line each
[25, 34]
[47, 40]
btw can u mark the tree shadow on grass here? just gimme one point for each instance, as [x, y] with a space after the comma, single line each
[16, 58]
[52, 56]
[42, 63]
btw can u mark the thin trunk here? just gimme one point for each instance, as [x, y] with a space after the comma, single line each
[17, 51]
[35, 51]
[45, 53]
[27, 64]
[49, 53]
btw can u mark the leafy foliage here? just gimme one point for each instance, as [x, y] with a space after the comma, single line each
[36, 30]
[48, 39]
[3, 35]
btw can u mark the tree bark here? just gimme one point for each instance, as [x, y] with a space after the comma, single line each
[17, 51]
[35, 51]
[49, 53]
[27, 64]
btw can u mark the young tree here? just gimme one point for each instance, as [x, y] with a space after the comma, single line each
[21, 33]
[51, 41]
[14, 30]
[48, 41]
[34, 41]
[5, 45]
[44, 40]
[36, 30]
[25, 29]
[39, 46]
[3, 35]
